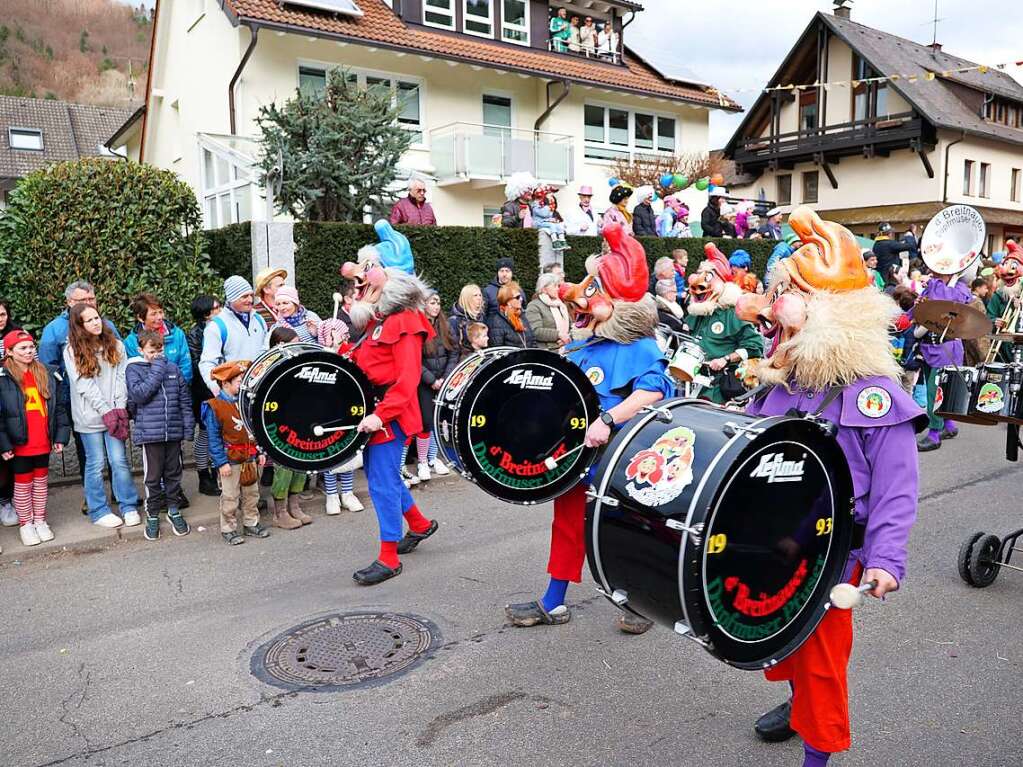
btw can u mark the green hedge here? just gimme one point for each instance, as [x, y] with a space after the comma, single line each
[230, 249]
[448, 257]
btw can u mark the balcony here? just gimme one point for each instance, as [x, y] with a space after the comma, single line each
[485, 155]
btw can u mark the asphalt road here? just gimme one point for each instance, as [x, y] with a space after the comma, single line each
[138, 653]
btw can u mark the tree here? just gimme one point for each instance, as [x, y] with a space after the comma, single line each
[332, 153]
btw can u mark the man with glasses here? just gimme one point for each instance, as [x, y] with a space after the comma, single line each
[414, 209]
[588, 37]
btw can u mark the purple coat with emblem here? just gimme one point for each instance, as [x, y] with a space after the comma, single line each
[950, 352]
[876, 432]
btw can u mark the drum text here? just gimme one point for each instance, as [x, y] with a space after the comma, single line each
[775, 468]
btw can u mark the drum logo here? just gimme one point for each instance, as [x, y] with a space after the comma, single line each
[775, 468]
[939, 397]
[874, 402]
[313, 374]
[658, 474]
[527, 379]
[990, 399]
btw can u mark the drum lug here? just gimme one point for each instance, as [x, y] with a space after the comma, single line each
[823, 424]
[731, 429]
[620, 597]
[662, 413]
[695, 532]
[685, 631]
[593, 495]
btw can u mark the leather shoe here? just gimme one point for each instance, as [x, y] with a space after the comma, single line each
[376, 573]
[633, 624]
[533, 613]
[773, 727]
[410, 540]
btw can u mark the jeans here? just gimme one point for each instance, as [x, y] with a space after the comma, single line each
[99, 448]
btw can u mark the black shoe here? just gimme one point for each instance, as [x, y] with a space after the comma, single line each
[925, 444]
[178, 523]
[267, 477]
[376, 573]
[533, 613]
[208, 483]
[232, 538]
[410, 540]
[256, 531]
[773, 727]
[152, 531]
[948, 433]
[183, 501]
[261, 505]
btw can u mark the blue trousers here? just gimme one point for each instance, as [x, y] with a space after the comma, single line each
[391, 499]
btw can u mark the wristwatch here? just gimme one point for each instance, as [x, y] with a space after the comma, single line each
[607, 419]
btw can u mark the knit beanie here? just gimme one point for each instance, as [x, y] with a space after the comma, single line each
[235, 287]
[505, 263]
[288, 293]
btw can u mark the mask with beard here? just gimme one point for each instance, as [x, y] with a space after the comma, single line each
[384, 277]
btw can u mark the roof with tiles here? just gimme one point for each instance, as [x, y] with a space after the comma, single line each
[380, 25]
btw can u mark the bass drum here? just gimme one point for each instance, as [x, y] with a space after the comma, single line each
[730, 529]
[302, 403]
[956, 395]
[513, 422]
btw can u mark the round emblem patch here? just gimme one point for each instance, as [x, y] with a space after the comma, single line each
[874, 402]
[596, 375]
[377, 332]
[717, 327]
[939, 397]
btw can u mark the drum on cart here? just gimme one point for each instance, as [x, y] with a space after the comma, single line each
[302, 405]
[956, 395]
[730, 529]
[513, 421]
[998, 397]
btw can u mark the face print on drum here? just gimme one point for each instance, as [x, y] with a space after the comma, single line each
[660, 474]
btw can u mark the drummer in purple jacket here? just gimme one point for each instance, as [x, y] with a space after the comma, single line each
[830, 356]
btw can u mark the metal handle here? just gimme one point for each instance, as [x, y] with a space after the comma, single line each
[731, 429]
[662, 413]
[593, 495]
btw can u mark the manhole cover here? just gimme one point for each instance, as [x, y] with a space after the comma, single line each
[343, 651]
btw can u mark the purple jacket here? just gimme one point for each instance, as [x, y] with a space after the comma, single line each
[405, 211]
[950, 352]
[877, 434]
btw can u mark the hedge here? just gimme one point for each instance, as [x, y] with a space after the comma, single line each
[230, 249]
[448, 257]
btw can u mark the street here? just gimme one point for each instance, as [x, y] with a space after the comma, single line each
[138, 653]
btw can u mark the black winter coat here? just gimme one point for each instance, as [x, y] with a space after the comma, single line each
[490, 305]
[436, 367]
[643, 221]
[459, 323]
[710, 220]
[13, 421]
[200, 391]
[503, 334]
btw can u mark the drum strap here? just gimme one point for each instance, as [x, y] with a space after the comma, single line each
[834, 393]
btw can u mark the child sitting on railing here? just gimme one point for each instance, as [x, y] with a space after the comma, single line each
[544, 210]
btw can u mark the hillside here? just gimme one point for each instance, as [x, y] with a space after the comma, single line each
[89, 51]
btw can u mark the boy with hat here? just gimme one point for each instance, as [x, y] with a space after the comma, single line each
[233, 452]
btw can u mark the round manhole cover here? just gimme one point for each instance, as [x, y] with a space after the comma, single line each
[343, 651]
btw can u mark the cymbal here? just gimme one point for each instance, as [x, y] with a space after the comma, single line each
[1008, 338]
[961, 321]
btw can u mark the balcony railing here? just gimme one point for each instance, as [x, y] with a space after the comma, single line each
[463, 152]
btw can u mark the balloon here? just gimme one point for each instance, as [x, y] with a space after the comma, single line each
[717, 179]
[612, 182]
[702, 184]
[666, 180]
[680, 181]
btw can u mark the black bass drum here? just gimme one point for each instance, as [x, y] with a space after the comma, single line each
[513, 422]
[302, 403]
[730, 529]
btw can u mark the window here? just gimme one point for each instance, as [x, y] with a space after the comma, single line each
[407, 94]
[613, 134]
[810, 179]
[479, 17]
[784, 189]
[968, 178]
[439, 13]
[488, 217]
[985, 176]
[515, 21]
[227, 190]
[497, 114]
[30, 139]
[869, 99]
[990, 243]
[1014, 188]
[808, 111]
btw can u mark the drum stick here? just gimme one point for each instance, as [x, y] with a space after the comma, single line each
[337, 303]
[845, 596]
[552, 463]
[319, 431]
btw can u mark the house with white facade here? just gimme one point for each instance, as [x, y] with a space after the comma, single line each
[481, 84]
[862, 150]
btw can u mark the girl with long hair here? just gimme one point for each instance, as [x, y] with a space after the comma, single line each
[468, 309]
[96, 361]
[34, 423]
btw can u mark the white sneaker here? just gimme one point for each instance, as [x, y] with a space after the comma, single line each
[8, 516]
[29, 537]
[333, 505]
[410, 479]
[43, 531]
[132, 518]
[351, 502]
[439, 469]
[424, 473]
[110, 520]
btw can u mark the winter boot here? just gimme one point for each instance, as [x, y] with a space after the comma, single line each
[208, 482]
[282, 518]
[295, 510]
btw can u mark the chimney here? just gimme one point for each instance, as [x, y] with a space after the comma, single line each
[843, 9]
[935, 47]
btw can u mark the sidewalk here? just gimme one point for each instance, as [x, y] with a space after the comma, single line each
[74, 532]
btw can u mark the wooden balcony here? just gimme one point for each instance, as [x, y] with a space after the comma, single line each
[870, 137]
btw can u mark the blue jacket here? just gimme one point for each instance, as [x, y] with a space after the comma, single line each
[160, 400]
[218, 453]
[175, 347]
[51, 345]
[781, 251]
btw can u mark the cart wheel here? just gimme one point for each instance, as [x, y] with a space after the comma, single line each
[983, 562]
[966, 556]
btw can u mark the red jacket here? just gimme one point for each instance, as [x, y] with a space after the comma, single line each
[405, 211]
[392, 355]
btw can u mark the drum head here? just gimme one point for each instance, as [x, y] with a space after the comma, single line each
[303, 408]
[774, 543]
[520, 422]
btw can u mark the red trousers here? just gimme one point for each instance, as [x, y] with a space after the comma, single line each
[817, 670]
[568, 531]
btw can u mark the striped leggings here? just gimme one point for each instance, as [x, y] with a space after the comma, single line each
[31, 486]
[201, 449]
[330, 482]
[426, 449]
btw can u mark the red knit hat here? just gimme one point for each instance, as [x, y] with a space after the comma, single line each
[624, 272]
[14, 337]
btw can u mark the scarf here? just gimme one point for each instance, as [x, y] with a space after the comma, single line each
[514, 317]
[559, 312]
[621, 207]
[297, 319]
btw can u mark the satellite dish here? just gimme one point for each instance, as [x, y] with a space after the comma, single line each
[953, 240]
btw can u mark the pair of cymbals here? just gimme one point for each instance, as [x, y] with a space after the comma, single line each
[955, 320]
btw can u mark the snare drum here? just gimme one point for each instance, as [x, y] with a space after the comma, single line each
[302, 403]
[995, 399]
[688, 359]
[513, 422]
[956, 394]
[730, 529]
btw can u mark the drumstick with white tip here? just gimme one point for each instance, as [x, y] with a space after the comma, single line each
[845, 596]
[338, 298]
[552, 463]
